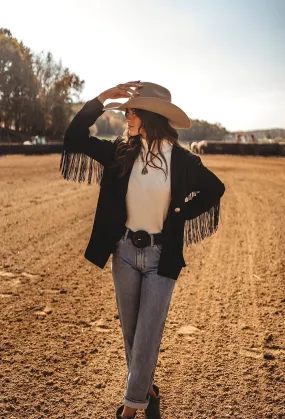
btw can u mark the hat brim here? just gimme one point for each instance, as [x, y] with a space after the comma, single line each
[176, 117]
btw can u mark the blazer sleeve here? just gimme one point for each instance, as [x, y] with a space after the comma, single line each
[210, 188]
[83, 156]
[202, 211]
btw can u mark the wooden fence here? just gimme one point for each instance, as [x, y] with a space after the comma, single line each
[248, 149]
[213, 147]
[31, 149]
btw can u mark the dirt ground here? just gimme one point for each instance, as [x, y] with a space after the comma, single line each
[222, 353]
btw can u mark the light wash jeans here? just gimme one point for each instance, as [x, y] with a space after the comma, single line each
[143, 299]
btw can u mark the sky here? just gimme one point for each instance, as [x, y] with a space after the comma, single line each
[222, 60]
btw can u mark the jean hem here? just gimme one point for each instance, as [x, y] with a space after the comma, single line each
[135, 404]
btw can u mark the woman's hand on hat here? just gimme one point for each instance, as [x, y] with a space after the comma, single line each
[124, 90]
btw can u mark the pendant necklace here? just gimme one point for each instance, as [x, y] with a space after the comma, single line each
[144, 170]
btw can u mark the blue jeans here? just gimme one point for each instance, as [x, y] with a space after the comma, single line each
[143, 299]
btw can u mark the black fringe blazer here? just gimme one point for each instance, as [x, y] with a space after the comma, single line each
[194, 209]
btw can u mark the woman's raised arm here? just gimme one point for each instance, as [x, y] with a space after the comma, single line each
[83, 155]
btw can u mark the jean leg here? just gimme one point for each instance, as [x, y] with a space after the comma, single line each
[156, 292]
[127, 283]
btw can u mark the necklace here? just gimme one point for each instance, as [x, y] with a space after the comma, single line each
[144, 170]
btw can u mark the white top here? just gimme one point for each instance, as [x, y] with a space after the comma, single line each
[148, 196]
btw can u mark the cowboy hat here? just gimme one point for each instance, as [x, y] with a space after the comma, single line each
[154, 98]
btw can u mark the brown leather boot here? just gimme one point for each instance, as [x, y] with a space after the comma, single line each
[152, 411]
[120, 411]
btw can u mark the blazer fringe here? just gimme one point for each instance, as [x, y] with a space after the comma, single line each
[80, 168]
[203, 226]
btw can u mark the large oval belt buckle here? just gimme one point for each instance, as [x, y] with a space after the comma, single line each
[140, 239]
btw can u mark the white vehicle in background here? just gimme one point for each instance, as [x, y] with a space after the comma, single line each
[38, 139]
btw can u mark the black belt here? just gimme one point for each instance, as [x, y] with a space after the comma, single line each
[142, 238]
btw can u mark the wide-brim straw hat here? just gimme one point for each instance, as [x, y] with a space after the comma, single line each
[154, 98]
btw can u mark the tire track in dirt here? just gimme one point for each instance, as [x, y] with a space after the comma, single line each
[61, 347]
[238, 309]
[204, 353]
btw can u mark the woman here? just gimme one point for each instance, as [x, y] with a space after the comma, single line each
[155, 197]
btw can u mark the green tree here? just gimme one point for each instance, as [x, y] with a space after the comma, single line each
[57, 88]
[35, 91]
[17, 81]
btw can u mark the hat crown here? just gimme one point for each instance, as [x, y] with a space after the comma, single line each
[154, 98]
[154, 90]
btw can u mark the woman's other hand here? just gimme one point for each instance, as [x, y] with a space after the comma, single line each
[124, 90]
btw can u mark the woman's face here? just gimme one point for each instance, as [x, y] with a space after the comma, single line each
[133, 122]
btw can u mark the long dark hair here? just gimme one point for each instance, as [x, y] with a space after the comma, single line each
[157, 128]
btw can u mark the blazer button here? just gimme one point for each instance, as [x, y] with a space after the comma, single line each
[177, 210]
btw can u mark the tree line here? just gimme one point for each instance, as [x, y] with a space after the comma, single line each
[35, 90]
[38, 96]
[111, 124]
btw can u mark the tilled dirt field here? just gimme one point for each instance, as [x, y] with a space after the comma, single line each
[62, 356]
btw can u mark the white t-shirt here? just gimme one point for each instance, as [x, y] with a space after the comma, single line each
[148, 196]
